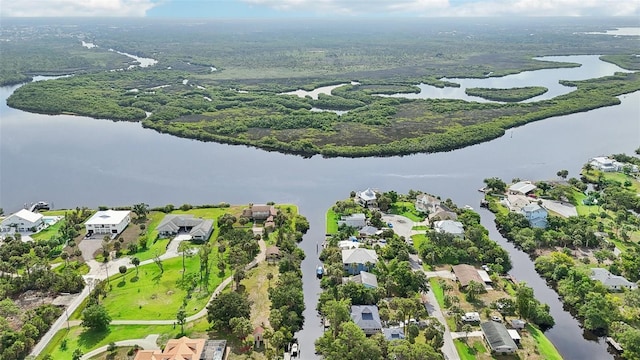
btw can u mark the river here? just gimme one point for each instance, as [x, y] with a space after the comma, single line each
[76, 161]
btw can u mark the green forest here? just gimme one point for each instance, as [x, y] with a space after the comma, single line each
[224, 82]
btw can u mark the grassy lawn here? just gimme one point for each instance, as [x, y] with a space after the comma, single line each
[332, 222]
[406, 209]
[469, 353]
[437, 291]
[82, 269]
[155, 295]
[77, 337]
[544, 346]
[420, 227]
[60, 212]
[256, 284]
[49, 232]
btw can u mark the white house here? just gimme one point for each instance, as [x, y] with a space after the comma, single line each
[522, 187]
[612, 282]
[536, 215]
[606, 164]
[22, 221]
[367, 198]
[111, 222]
[357, 221]
[454, 228]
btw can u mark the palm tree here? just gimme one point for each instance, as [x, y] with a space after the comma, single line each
[141, 210]
[466, 328]
[135, 261]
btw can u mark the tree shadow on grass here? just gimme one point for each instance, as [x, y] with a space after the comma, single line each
[134, 279]
[157, 278]
[89, 338]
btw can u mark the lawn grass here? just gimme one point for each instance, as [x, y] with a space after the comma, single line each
[544, 346]
[59, 212]
[437, 291]
[469, 353]
[406, 209]
[78, 337]
[49, 232]
[420, 227]
[154, 295]
[332, 222]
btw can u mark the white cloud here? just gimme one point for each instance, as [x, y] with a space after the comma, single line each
[51, 8]
[458, 8]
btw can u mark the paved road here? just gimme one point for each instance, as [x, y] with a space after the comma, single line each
[148, 343]
[99, 271]
[448, 349]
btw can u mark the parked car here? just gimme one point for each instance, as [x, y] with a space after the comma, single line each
[496, 318]
[390, 225]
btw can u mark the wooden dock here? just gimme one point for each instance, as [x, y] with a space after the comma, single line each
[614, 344]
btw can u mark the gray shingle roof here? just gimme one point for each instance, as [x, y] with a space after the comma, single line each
[359, 256]
[366, 317]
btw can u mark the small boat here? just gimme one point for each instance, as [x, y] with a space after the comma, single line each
[320, 271]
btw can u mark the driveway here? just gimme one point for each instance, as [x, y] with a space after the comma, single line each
[148, 343]
[401, 225]
[563, 209]
[89, 246]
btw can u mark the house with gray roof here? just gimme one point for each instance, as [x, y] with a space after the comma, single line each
[393, 334]
[610, 281]
[367, 279]
[357, 260]
[454, 228]
[198, 228]
[367, 318]
[369, 231]
[498, 338]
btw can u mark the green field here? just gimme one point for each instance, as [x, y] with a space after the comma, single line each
[544, 346]
[155, 295]
[469, 353]
[332, 222]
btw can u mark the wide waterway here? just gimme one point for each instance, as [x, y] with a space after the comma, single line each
[76, 161]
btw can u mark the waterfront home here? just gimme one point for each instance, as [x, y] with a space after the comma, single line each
[367, 279]
[442, 212]
[454, 228]
[367, 318]
[426, 203]
[108, 222]
[610, 281]
[367, 198]
[357, 221]
[197, 228]
[498, 338]
[357, 260]
[606, 164]
[22, 221]
[260, 212]
[536, 215]
[522, 188]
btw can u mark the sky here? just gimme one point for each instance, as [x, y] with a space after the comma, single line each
[265, 9]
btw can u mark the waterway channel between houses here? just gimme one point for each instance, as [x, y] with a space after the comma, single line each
[76, 161]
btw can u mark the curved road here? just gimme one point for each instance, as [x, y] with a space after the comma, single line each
[99, 271]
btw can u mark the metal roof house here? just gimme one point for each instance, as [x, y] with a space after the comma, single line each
[454, 228]
[610, 281]
[367, 279]
[498, 338]
[367, 318]
[357, 260]
[522, 187]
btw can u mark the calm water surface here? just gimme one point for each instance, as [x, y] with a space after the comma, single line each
[77, 161]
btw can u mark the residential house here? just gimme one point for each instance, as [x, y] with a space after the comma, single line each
[197, 228]
[536, 215]
[369, 231]
[272, 254]
[522, 188]
[357, 221]
[369, 280]
[23, 221]
[466, 273]
[367, 318]
[441, 212]
[606, 164]
[498, 338]
[108, 222]
[454, 228]
[357, 260]
[367, 198]
[186, 348]
[610, 281]
[426, 203]
[393, 334]
[260, 212]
